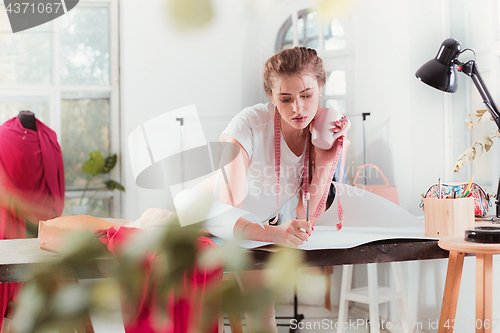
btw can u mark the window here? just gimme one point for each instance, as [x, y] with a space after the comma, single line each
[66, 72]
[302, 29]
[332, 41]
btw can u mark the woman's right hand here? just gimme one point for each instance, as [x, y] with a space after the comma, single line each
[292, 233]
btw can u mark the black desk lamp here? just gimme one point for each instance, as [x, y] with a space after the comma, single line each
[441, 73]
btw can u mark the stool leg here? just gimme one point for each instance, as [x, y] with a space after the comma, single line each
[451, 289]
[235, 322]
[484, 301]
[373, 296]
[403, 301]
[86, 326]
[344, 303]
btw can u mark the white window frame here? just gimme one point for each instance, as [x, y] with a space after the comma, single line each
[54, 90]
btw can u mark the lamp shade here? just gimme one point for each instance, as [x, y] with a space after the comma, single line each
[440, 72]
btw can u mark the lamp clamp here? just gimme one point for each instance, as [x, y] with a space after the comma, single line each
[465, 67]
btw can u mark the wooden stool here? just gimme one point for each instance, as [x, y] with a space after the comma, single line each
[484, 281]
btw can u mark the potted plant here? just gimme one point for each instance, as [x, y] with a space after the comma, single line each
[96, 165]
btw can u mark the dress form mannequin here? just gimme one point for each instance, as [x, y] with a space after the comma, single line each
[27, 119]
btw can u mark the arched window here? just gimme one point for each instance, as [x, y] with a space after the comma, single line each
[303, 28]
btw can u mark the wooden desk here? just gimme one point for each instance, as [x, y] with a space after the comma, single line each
[17, 256]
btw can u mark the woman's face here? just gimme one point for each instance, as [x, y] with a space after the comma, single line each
[297, 99]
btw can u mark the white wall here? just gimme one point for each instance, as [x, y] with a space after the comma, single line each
[163, 69]
[404, 131]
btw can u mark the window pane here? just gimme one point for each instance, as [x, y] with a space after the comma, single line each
[85, 46]
[10, 107]
[300, 28]
[313, 43]
[334, 36]
[335, 83]
[85, 127]
[101, 207]
[97, 207]
[289, 33]
[25, 57]
[336, 104]
[312, 25]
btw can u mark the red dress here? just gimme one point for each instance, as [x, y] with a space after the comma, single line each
[31, 184]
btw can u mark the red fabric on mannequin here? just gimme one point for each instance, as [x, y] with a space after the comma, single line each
[184, 307]
[31, 174]
[31, 185]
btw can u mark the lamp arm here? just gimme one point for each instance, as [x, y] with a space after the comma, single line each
[485, 94]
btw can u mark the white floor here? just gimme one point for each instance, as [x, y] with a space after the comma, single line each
[109, 322]
[317, 319]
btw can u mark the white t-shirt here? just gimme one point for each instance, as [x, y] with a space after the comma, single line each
[253, 128]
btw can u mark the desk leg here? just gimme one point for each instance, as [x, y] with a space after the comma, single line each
[86, 325]
[484, 301]
[451, 289]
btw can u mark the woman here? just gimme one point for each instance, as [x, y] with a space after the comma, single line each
[293, 79]
[266, 133]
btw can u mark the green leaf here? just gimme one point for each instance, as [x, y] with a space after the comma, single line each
[70, 301]
[113, 185]
[282, 269]
[109, 164]
[94, 165]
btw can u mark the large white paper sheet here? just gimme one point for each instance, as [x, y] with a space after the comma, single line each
[367, 218]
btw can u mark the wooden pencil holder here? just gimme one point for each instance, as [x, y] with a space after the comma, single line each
[448, 217]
